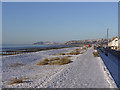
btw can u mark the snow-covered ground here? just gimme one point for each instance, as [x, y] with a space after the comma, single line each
[85, 71]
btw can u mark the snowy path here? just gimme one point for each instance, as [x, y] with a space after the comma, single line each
[85, 72]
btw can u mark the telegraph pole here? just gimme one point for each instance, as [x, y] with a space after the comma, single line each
[108, 35]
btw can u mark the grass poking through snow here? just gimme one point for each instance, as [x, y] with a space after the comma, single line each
[63, 60]
[16, 81]
[16, 64]
[55, 61]
[96, 54]
[44, 62]
[55, 58]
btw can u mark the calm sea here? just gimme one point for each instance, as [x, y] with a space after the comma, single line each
[7, 47]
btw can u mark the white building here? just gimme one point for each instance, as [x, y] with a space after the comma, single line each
[114, 43]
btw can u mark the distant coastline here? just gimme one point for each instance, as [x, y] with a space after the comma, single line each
[46, 43]
[8, 47]
[19, 49]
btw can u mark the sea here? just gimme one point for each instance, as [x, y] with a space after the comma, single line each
[15, 47]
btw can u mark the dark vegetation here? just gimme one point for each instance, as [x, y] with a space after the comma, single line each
[96, 54]
[16, 81]
[16, 64]
[75, 52]
[62, 60]
[55, 61]
[44, 62]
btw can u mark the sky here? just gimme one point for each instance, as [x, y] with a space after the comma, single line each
[30, 22]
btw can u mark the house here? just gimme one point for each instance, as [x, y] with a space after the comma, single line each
[119, 44]
[114, 43]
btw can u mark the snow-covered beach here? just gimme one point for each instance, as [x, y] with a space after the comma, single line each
[85, 71]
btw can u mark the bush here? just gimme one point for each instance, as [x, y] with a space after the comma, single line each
[15, 80]
[96, 54]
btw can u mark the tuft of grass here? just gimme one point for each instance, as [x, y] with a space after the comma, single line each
[55, 58]
[50, 63]
[44, 62]
[79, 49]
[16, 64]
[76, 49]
[68, 56]
[16, 81]
[54, 63]
[74, 53]
[64, 60]
[62, 54]
[96, 54]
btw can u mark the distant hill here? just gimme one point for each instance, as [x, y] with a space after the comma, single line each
[75, 42]
[85, 42]
[45, 43]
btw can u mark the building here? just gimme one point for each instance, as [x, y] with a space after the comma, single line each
[114, 43]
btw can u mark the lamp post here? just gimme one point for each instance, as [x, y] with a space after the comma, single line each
[107, 36]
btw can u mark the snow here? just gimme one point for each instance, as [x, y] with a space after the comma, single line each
[85, 71]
